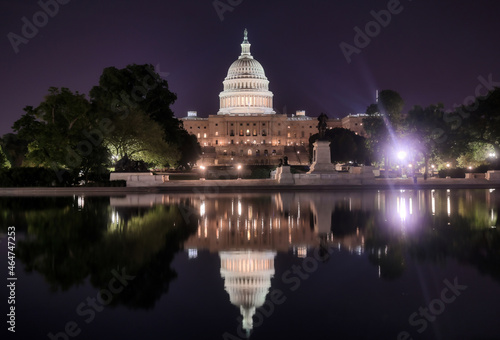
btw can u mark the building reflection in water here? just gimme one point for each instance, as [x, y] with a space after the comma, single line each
[247, 230]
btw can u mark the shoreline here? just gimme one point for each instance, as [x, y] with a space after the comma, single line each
[252, 185]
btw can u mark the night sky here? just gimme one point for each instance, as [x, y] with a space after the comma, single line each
[430, 51]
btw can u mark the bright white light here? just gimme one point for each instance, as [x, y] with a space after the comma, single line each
[402, 155]
[192, 253]
[202, 208]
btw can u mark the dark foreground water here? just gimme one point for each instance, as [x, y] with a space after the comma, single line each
[347, 265]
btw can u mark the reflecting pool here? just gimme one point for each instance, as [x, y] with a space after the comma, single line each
[404, 264]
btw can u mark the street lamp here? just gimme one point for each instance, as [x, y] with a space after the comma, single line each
[239, 168]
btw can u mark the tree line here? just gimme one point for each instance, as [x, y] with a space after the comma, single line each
[466, 137]
[127, 116]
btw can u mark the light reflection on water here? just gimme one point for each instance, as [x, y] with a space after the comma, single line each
[84, 237]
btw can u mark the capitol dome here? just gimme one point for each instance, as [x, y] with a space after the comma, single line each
[245, 68]
[247, 279]
[246, 88]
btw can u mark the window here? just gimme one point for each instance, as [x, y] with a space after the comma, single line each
[216, 142]
[241, 132]
[198, 127]
[241, 152]
[225, 152]
[295, 135]
[264, 133]
[263, 124]
[231, 133]
[232, 124]
[255, 132]
[249, 152]
[288, 135]
[248, 132]
[265, 153]
[274, 152]
[254, 124]
[191, 127]
[279, 141]
[199, 135]
[233, 153]
[232, 141]
[216, 133]
[279, 133]
[204, 135]
[216, 124]
[302, 134]
[257, 153]
[205, 127]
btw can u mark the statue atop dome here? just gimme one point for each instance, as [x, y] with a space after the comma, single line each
[245, 39]
[245, 46]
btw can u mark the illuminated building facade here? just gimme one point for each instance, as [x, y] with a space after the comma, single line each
[247, 129]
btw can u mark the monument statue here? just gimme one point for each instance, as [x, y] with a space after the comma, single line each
[285, 161]
[322, 119]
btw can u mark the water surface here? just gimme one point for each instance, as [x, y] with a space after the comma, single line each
[345, 265]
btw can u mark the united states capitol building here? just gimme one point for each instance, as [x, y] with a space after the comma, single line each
[247, 129]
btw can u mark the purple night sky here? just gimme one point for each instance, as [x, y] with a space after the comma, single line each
[430, 52]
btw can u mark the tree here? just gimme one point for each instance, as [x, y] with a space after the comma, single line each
[4, 162]
[140, 138]
[477, 154]
[60, 134]
[140, 88]
[481, 120]
[426, 133]
[383, 124]
[14, 149]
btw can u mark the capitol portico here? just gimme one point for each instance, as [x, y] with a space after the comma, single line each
[247, 129]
